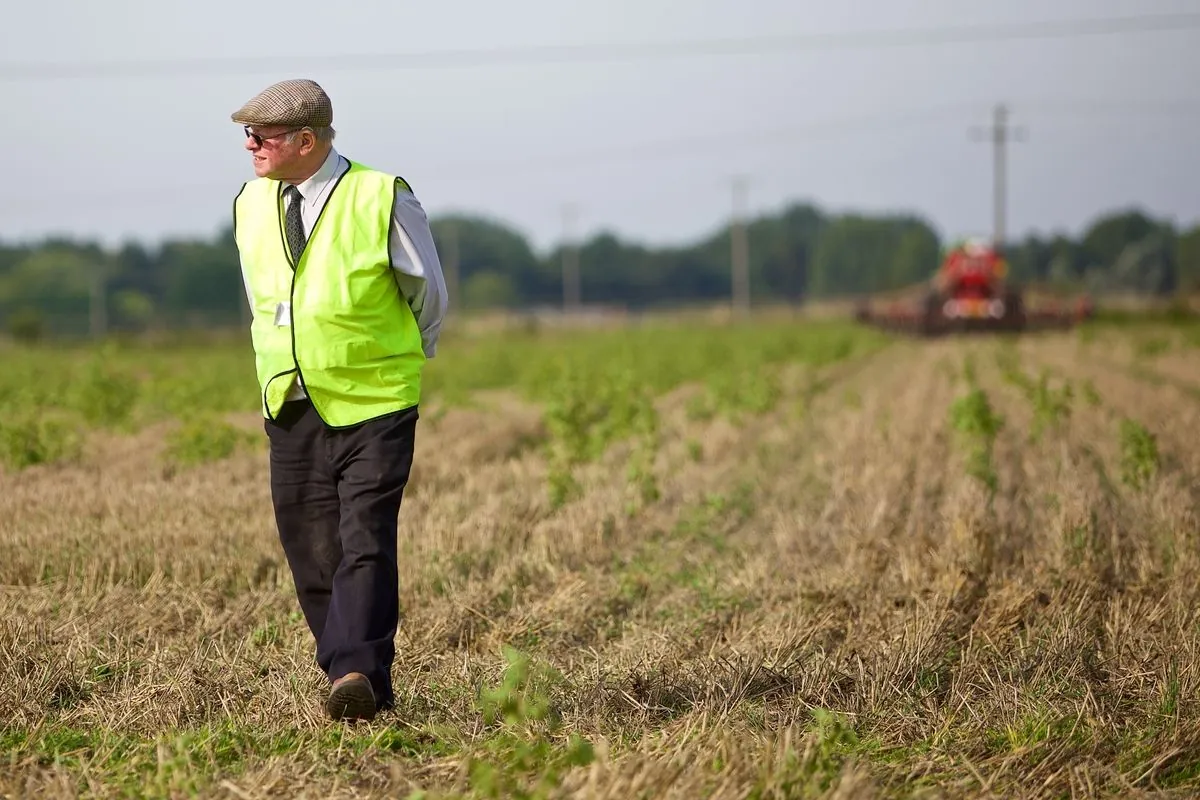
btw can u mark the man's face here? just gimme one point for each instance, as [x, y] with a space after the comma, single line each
[274, 155]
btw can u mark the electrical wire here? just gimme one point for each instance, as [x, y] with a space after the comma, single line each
[557, 55]
[883, 123]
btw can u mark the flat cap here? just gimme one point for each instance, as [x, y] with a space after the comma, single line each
[298, 102]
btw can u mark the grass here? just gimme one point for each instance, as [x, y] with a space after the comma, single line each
[777, 559]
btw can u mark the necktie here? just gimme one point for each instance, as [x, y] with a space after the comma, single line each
[293, 225]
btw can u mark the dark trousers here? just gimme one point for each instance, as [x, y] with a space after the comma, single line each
[337, 494]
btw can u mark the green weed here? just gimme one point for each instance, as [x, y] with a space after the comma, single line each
[204, 438]
[588, 412]
[978, 424]
[1051, 406]
[1151, 347]
[829, 742]
[525, 757]
[105, 393]
[1139, 454]
[28, 438]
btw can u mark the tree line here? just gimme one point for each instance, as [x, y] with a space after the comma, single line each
[64, 286]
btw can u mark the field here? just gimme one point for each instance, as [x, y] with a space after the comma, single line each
[672, 559]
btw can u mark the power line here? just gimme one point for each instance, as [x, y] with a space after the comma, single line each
[450, 259]
[679, 145]
[1082, 107]
[883, 122]
[671, 147]
[541, 55]
[740, 249]
[572, 283]
[658, 148]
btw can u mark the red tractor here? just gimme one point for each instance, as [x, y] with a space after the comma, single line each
[970, 292]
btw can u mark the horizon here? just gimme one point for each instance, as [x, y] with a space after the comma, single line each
[696, 239]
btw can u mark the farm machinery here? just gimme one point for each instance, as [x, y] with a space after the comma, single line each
[971, 292]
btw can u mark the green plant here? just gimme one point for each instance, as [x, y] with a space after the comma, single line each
[204, 438]
[28, 438]
[978, 424]
[104, 394]
[1151, 347]
[588, 412]
[1051, 407]
[645, 429]
[1139, 453]
[27, 325]
[524, 758]
[828, 743]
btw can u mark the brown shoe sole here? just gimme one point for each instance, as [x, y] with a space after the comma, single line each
[351, 700]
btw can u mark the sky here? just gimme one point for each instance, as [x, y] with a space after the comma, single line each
[646, 148]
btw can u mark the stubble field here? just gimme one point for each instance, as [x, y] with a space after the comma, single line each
[680, 560]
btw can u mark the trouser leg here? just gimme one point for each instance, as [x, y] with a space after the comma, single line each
[372, 463]
[307, 508]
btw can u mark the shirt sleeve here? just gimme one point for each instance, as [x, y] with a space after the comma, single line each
[417, 267]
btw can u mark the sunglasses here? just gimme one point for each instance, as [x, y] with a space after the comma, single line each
[258, 140]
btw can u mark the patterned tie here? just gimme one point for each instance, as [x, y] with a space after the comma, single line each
[294, 226]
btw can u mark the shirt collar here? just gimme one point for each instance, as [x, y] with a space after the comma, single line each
[316, 185]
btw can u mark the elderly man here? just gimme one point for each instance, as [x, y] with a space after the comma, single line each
[347, 296]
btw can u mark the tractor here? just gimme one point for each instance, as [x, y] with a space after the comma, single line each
[970, 293]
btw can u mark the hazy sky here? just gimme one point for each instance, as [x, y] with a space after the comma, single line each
[646, 148]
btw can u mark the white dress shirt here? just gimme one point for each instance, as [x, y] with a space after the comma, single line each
[410, 244]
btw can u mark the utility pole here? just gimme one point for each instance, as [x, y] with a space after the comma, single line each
[452, 261]
[999, 134]
[572, 282]
[740, 250]
[99, 302]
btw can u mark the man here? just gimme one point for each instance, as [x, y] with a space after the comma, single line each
[347, 295]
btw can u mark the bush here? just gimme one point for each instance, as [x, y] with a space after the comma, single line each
[27, 325]
[204, 438]
[30, 438]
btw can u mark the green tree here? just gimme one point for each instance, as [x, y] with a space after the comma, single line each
[917, 256]
[1187, 259]
[795, 252]
[1106, 239]
[863, 254]
[487, 246]
[56, 280]
[200, 277]
[1132, 250]
[487, 290]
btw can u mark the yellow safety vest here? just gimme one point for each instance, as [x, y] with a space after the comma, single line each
[351, 338]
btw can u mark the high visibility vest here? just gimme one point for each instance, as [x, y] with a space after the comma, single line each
[335, 318]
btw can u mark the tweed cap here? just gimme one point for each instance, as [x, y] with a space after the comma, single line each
[295, 103]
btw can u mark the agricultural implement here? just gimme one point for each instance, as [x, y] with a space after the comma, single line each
[970, 293]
